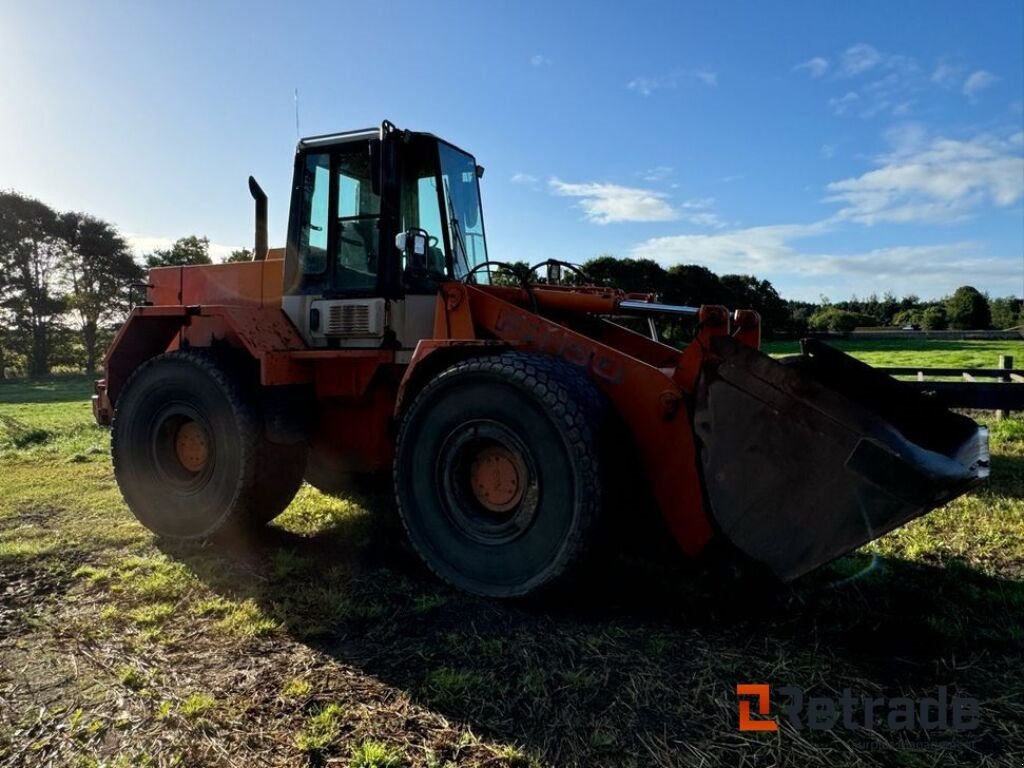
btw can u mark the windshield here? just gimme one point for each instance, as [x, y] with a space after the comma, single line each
[465, 219]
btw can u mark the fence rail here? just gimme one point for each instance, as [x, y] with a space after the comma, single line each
[1004, 395]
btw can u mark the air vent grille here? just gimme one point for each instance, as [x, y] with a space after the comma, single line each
[349, 320]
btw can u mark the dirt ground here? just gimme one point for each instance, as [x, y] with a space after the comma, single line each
[324, 642]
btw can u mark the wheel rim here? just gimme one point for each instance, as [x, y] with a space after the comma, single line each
[487, 480]
[182, 448]
[496, 477]
[192, 446]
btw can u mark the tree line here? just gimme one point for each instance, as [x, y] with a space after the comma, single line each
[64, 280]
[965, 309]
[63, 284]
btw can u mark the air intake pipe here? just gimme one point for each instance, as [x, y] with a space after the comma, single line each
[260, 247]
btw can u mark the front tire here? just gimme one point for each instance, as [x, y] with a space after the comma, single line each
[497, 472]
[189, 451]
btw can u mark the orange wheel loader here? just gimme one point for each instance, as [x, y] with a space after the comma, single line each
[381, 339]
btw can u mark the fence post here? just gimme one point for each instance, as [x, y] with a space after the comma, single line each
[1006, 364]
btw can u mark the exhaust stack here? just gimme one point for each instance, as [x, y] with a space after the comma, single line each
[261, 245]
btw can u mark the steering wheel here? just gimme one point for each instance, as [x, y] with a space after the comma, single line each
[571, 267]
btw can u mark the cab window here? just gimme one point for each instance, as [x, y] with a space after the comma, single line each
[421, 210]
[315, 193]
[357, 240]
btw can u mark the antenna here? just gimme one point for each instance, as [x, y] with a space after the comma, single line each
[297, 114]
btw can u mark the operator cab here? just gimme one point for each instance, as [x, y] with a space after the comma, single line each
[379, 218]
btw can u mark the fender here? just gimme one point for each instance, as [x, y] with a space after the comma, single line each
[265, 333]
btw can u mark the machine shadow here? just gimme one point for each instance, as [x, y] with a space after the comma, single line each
[1007, 476]
[642, 646]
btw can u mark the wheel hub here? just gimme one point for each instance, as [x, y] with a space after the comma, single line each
[192, 446]
[488, 482]
[496, 478]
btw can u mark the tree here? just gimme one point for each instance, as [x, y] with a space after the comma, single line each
[837, 320]
[30, 261]
[800, 312]
[185, 251]
[905, 317]
[693, 285]
[934, 318]
[1006, 312]
[99, 267]
[640, 275]
[747, 292]
[511, 276]
[239, 254]
[967, 309]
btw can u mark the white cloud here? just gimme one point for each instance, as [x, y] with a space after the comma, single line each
[609, 203]
[761, 250]
[539, 60]
[946, 75]
[698, 203]
[893, 83]
[772, 252]
[977, 82]
[657, 173]
[142, 245]
[858, 58]
[828, 151]
[932, 180]
[523, 178]
[645, 86]
[612, 203]
[707, 77]
[841, 105]
[815, 67]
[705, 219]
[698, 212]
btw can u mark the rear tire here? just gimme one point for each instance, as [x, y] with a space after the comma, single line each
[497, 472]
[189, 451]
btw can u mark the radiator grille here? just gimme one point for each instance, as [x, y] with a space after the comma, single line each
[349, 320]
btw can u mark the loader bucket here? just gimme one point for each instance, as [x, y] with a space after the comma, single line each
[807, 458]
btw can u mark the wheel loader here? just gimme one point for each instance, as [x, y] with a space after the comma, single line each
[511, 409]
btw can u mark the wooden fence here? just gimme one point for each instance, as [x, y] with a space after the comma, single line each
[999, 389]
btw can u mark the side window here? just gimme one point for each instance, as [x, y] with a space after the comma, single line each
[421, 210]
[429, 212]
[315, 208]
[357, 252]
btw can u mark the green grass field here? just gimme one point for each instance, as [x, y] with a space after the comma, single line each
[898, 353]
[324, 642]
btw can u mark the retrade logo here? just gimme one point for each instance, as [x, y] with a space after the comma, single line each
[941, 712]
[761, 693]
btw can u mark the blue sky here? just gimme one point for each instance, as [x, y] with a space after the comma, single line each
[833, 148]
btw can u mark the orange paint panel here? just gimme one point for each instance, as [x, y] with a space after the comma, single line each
[260, 329]
[357, 433]
[239, 284]
[452, 316]
[273, 279]
[164, 286]
[205, 330]
[599, 301]
[634, 344]
[348, 375]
